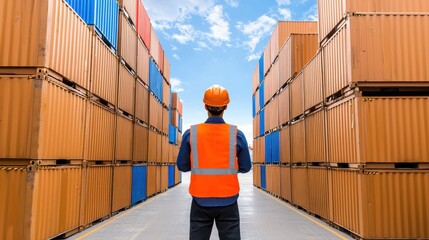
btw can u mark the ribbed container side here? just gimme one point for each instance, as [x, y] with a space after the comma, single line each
[56, 201]
[159, 138]
[164, 177]
[172, 138]
[259, 150]
[104, 71]
[127, 48]
[139, 183]
[274, 171]
[300, 186]
[161, 58]
[155, 80]
[58, 39]
[175, 118]
[165, 121]
[13, 185]
[285, 183]
[142, 62]
[253, 106]
[100, 133]
[263, 177]
[272, 82]
[126, 87]
[275, 147]
[142, 102]
[167, 70]
[269, 178]
[40, 119]
[318, 191]
[130, 7]
[166, 91]
[285, 143]
[257, 102]
[164, 149]
[344, 198]
[255, 78]
[256, 175]
[315, 144]
[274, 47]
[177, 176]
[285, 55]
[171, 175]
[297, 96]
[261, 69]
[143, 24]
[158, 179]
[268, 149]
[261, 95]
[297, 139]
[267, 58]
[141, 138]
[151, 180]
[154, 45]
[271, 114]
[313, 85]
[330, 14]
[124, 138]
[262, 122]
[152, 157]
[286, 28]
[284, 106]
[121, 195]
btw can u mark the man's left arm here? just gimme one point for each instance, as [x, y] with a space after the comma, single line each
[243, 155]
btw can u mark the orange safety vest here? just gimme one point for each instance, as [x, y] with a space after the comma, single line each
[214, 164]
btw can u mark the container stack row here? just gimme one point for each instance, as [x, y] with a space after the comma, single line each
[352, 123]
[84, 115]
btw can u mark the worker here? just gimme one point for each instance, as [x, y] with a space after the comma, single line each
[214, 152]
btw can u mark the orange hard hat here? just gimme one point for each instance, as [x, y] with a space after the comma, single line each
[216, 96]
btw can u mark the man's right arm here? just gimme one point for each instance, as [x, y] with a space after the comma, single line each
[184, 157]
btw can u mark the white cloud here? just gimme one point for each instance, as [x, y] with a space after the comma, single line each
[232, 3]
[286, 13]
[187, 33]
[176, 85]
[256, 30]
[253, 56]
[219, 29]
[173, 48]
[283, 2]
[176, 56]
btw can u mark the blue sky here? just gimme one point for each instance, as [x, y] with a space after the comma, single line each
[219, 42]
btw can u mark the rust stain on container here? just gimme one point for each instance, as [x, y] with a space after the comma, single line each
[151, 180]
[97, 193]
[313, 85]
[154, 45]
[127, 42]
[297, 139]
[126, 90]
[285, 143]
[130, 7]
[285, 183]
[256, 175]
[142, 102]
[104, 71]
[124, 138]
[57, 39]
[40, 119]
[284, 106]
[297, 96]
[142, 62]
[299, 186]
[318, 191]
[315, 137]
[140, 143]
[100, 135]
[121, 196]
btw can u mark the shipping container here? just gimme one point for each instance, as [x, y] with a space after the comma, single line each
[255, 78]
[127, 47]
[297, 96]
[313, 85]
[315, 137]
[142, 62]
[256, 129]
[257, 101]
[121, 193]
[285, 183]
[299, 186]
[285, 152]
[318, 191]
[124, 138]
[167, 70]
[171, 176]
[142, 102]
[164, 149]
[130, 7]
[263, 177]
[331, 13]
[126, 92]
[166, 93]
[177, 176]
[297, 142]
[154, 46]
[141, 143]
[152, 147]
[267, 57]
[40, 118]
[172, 138]
[256, 175]
[378, 129]
[271, 114]
[273, 179]
[164, 178]
[143, 24]
[139, 183]
[161, 56]
[284, 106]
[259, 150]
[155, 80]
[271, 82]
[261, 68]
[262, 122]
[367, 53]
[158, 179]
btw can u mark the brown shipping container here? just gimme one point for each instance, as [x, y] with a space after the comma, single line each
[285, 183]
[121, 196]
[378, 129]
[154, 107]
[143, 24]
[161, 58]
[141, 141]
[164, 178]
[284, 29]
[332, 12]
[257, 106]
[130, 7]
[142, 102]
[177, 176]
[298, 50]
[285, 153]
[315, 137]
[256, 126]
[152, 157]
[167, 71]
[366, 51]
[273, 179]
[271, 83]
[100, 133]
[297, 96]
[313, 85]
[124, 138]
[255, 78]
[154, 46]
[271, 114]
[40, 119]
[297, 139]
[284, 106]
[151, 180]
[142, 62]
[57, 39]
[164, 149]
[175, 118]
[165, 120]
[158, 148]
[166, 91]
[104, 71]
[126, 93]
[267, 57]
[268, 179]
[127, 42]
[259, 156]
[318, 191]
[256, 175]
[299, 186]
[97, 193]
[158, 179]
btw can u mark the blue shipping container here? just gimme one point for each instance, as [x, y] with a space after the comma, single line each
[180, 124]
[139, 184]
[261, 68]
[261, 123]
[155, 80]
[261, 95]
[253, 106]
[263, 178]
[172, 134]
[275, 147]
[171, 175]
[102, 14]
[268, 153]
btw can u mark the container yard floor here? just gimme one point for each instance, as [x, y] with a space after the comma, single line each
[166, 216]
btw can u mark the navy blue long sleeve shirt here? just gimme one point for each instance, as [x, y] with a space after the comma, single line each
[244, 163]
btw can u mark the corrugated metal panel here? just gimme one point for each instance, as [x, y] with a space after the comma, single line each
[285, 63]
[165, 120]
[318, 191]
[56, 201]
[313, 85]
[139, 184]
[143, 24]
[151, 180]
[142, 102]
[164, 149]
[285, 152]
[154, 109]
[171, 175]
[297, 96]
[286, 28]
[166, 92]
[257, 101]
[297, 139]
[158, 148]
[100, 133]
[126, 90]
[154, 45]
[267, 57]
[152, 147]
[140, 139]
[274, 172]
[127, 48]
[256, 175]
[130, 7]
[330, 14]
[255, 78]
[104, 71]
[161, 58]
[268, 149]
[97, 193]
[261, 69]
[121, 196]
[285, 183]
[299, 186]
[315, 148]
[142, 62]
[164, 177]
[262, 122]
[57, 39]
[263, 177]
[177, 176]
[155, 80]
[274, 46]
[271, 114]
[13, 184]
[271, 82]
[284, 105]
[124, 138]
[269, 178]
[167, 68]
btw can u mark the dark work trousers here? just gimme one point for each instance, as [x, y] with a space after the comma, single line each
[227, 220]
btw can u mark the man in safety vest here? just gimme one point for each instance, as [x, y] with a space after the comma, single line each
[214, 152]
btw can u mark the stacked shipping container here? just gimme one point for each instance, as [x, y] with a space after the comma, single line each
[75, 118]
[354, 147]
